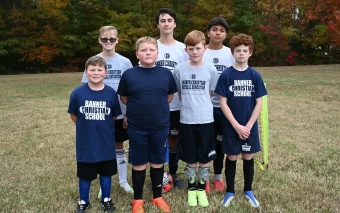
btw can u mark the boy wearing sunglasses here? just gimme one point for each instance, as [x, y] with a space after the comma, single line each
[116, 65]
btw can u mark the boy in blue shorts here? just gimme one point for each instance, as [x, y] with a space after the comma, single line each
[241, 89]
[221, 57]
[196, 80]
[147, 90]
[93, 107]
[116, 65]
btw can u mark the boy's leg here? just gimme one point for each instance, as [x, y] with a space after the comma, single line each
[203, 174]
[106, 170]
[138, 179]
[192, 185]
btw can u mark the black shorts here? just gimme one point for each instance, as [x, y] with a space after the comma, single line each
[174, 123]
[89, 171]
[218, 124]
[233, 145]
[196, 143]
[120, 133]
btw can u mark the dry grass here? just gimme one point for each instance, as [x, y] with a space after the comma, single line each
[37, 147]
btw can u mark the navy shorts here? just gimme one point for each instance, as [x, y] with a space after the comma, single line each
[196, 143]
[89, 171]
[218, 124]
[120, 133]
[174, 123]
[233, 145]
[147, 146]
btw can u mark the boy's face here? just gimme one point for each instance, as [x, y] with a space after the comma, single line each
[147, 54]
[196, 52]
[242, 54]
[96, 74]
[217, 34]
[166, 24]
[108, 40]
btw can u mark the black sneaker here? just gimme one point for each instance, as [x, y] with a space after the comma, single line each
[178, 183]
[82, 206]
[108, 205]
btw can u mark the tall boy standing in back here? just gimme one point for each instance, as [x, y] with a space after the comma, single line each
[171, 53]
[196, 80]
[116, 65]
[94, 107]
[221, 57]
[241, 89]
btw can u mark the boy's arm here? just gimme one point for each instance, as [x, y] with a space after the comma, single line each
[124, 99]
[170, 97]
[242, 131]
[255, 114]
[179, 96]
[73, 117]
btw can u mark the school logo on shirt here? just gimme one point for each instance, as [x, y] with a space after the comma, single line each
[113, 74]
[95, 110]
[215, 60]
[196, 87]
[242, 88]
[193, 76]
[167, 55]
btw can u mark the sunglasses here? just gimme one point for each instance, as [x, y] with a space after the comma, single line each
[105, 40]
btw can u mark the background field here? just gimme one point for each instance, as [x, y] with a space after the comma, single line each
[37, 147]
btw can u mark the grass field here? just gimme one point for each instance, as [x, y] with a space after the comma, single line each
[37, 147]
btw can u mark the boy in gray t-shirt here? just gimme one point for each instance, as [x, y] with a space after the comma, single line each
[195, 82]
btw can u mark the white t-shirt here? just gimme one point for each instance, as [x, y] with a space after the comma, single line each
[169, 57]
[195, 84]
[116, 66]
[221, 59]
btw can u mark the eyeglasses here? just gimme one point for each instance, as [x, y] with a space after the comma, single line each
[105, 40]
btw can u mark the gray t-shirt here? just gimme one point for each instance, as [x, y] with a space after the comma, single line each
[195, 84]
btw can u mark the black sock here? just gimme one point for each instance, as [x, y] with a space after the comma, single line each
[156, 175]
[218, 162]
[248, 173]
[173, 163]
[230, 171]
[138, 178]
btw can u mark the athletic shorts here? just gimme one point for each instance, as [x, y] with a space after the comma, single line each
[218, 124]
[89, 171]
[120, 133]
[147, 146]
[174, 123]
[233, 145]
[196, 143]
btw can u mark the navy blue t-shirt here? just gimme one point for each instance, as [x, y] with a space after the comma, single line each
[241, 88]
[95, 129]
[147, 90]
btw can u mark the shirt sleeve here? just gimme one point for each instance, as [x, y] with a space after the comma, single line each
[116, 110]
[214, 78]
[260, 89]
[73, 106]
[177, 79]
[222, 86]
[122, 87]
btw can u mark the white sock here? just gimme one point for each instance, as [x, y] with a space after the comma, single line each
[217, 176]
[121, 165]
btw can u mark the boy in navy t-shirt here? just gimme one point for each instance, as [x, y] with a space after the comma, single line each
[241, 89]
[94, 107]
[147, 90]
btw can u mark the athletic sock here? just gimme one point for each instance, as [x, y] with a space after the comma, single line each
[105, 185]
[173, 162]
[121, 165]
[84, 190]
[156, 175]
[230, 171]
[217, 176]
[138, 178]
[203, 174]
[191, 174]
[248, 173]
[218, 162]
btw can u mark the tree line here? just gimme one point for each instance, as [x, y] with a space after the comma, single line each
[59, 35]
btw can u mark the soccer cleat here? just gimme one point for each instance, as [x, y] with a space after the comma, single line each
[161, 204]
[137, 206]
[202, 198]
[219, 185]
[192, 198]
[82, 206]
[252, 200]
[207, 187]
[227, 199]
[108, 205]
[178, 183]
[127, 188]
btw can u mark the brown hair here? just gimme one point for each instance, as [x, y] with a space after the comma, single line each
[96, 60]
[107, 28]
[194, 37]
[146, 39]
[240, 39]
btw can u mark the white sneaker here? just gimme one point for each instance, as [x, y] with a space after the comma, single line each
[127, 188]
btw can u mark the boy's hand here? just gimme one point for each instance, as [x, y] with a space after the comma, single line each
[243, 132]
[125, 123]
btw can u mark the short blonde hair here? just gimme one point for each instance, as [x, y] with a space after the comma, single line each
[146, 39]
[96, 60]
[106, 29]
[194, 37]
